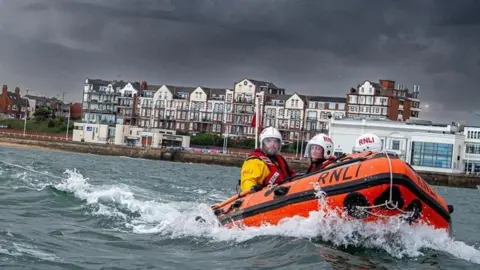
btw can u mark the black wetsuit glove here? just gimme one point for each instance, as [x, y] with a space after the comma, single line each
[256, 188]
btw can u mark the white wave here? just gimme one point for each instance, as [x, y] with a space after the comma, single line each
[177, 220]
[26, 177]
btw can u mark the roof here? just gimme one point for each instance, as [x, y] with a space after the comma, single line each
[120, 84]
[44, 99]
[269, 97]
[387, 92]
[17, 99]
[98, 82]
[327, 99]
[263, 83]
[214, 92]
[135, 85]
[153, 87]
[37, 98]
[180, 89]
[406, 124]
[302, 97]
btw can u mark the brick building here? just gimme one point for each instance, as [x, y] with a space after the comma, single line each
[12, 104]
[383, 100]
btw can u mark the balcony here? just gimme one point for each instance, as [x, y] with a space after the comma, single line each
[243, 113]
[166, 117]
[181, 97]
[271, 103]
[124, 105]
[243, 101]
[415, 109]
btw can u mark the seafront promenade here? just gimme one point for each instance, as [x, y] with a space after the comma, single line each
[233, 158]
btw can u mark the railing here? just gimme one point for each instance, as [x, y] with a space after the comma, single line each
[61, 137]
[231, 153]
[37, 136]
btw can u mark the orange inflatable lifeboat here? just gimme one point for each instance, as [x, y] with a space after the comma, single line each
[367, 186]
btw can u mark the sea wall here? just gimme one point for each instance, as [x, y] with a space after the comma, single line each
[439, 179]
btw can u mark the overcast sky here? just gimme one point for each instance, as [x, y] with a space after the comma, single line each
[306, 46]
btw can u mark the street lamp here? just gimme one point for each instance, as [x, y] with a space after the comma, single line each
[25, 122]
[68, 122]
[25, 118]
[329, 116]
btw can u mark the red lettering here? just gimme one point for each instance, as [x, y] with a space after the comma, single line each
[365, 140]
[327, 139]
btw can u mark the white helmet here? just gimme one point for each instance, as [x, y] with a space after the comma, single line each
[322, 140]
[270, 132]
[367, 142]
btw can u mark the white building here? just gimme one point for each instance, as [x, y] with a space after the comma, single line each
[128, 135]
[318, 111]
[92, 133]
[425, 146]
[472, 149]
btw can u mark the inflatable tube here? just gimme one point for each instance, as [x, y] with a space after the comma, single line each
[368, 186]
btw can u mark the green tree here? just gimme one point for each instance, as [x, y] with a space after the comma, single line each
[41, 113]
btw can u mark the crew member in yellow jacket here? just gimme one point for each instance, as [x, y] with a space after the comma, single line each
[265, 166]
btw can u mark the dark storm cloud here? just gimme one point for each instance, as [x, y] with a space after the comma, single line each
[316, 47]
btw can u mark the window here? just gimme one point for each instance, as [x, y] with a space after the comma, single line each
[473, 149]
[352, 99]
[331, 106]
[395, 145]
[427, 154]
[341, 106]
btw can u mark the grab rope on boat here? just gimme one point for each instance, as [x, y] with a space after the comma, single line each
[389, 204]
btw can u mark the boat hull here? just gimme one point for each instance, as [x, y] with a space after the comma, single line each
[369, 186]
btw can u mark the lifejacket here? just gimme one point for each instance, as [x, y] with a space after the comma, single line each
[277, 173]
[318, 165]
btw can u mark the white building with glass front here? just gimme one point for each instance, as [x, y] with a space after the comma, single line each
[425, 146]
[472, 149]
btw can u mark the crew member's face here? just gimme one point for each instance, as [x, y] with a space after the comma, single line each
[316, 152]
[271, 146]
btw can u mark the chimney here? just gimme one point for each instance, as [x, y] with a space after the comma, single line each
[17, 91]
[143, 85]
[4, 89]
